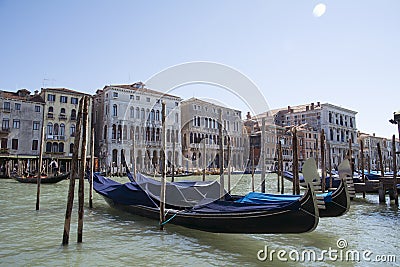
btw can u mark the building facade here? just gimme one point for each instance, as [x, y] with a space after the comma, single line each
[21, 117]
[200, 132]
[338, 123]
[60, 119]
[128, 125]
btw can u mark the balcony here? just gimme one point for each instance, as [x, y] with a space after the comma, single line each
[5, 130]
[62, 117]
[55, 137]
[50, 116]
[73, 118]
[4, 150]
[6, 110]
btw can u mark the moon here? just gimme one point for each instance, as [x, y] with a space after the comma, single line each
[319, 10]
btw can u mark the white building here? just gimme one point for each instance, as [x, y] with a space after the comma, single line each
[200, 120]
[127, 121]
[338, 123]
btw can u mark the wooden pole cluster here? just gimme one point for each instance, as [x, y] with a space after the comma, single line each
[262, 155]
[323, 169]
[73, 174]
[380, 159]
[163, 169]
[221, 155]
[39, 173]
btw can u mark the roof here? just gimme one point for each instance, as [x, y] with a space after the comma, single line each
[22, 95]
[64, 90]
[216, 104]
[139, 87]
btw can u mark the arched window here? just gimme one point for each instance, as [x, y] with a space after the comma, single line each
[51, 109]
[55, 147]
[61, 147]
[62, 111]
[48, 147]
[62, 129]
[115, 110]
[143, 115]
[191, 138]
[71, 148]
[125, 133]
[49, 128]
[137, 113]
[132, 112]
[105, 132]
[72, 130]
[73, 114]
[158, 115]
[158, 134]
[119, 133]
[55, 130]
[168, 135]
[114, 132]
[152, 115]
[114, 157]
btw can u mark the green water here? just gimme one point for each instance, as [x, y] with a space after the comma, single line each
[113, 238]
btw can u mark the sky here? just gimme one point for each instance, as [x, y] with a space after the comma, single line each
[349, 56]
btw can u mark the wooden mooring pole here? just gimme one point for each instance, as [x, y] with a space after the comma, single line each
[281, 167]
[91, 170]
[396, 195]
[328, 148]
[362, 164]
[74, 164]
[262, 155]
[221, 155]
[295, 167]
[82, 171]
[378, 145]
[39, 168]
[163, 169]
[323, 169]
[229, 165]
[204, 160]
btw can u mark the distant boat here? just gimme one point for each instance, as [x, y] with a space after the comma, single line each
[43, 179]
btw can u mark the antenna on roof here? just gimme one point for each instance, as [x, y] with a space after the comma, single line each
[44, 84]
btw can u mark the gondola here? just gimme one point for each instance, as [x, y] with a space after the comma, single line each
[43, 180]
[337, 202]
[197, 205]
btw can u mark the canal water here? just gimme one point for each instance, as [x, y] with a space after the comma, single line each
[113, 238]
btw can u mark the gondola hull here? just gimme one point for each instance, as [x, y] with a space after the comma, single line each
[47, 180]
[340, 203]
[218, 216]
[302, 220]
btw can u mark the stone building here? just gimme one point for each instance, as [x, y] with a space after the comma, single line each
[200, 126]
[20, 133]
[338, 123]
[21, 116]
[60, 118]
[127, 121]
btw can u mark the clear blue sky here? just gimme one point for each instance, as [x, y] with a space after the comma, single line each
[350, 56]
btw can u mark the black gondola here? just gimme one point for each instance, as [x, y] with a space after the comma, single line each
[43, 180]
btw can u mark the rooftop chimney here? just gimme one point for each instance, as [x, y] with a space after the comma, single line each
[312, 106]
[307, 108]
[288, 108]
[318, 104]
